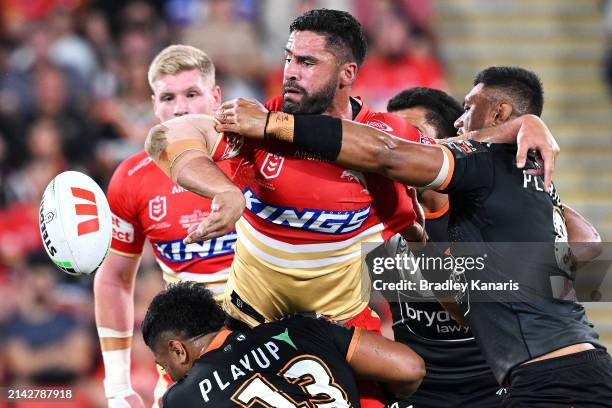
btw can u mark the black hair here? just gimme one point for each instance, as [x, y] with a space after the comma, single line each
[442, 109]
[186, 308]
[521, 85]
[341, 30]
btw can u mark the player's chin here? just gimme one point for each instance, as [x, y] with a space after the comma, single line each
[291, 106]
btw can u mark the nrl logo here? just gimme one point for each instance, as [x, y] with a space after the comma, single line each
[157, 208]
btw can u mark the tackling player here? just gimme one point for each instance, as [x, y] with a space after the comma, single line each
[456, 369]
[148, 205]
[296, 361]
[546, 351]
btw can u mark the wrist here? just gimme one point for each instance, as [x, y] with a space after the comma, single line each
[279, 126]
[117, 381]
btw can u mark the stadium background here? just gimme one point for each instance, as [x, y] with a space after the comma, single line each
[74, 95]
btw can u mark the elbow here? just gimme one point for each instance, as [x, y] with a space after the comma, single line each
[156, 141]
[413, 372]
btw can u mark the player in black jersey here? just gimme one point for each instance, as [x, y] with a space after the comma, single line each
[456, 369]
[457, 373]
[294, 362]
[545, 350]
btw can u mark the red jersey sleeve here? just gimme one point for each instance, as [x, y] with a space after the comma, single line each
[128, 237]
[392, 203]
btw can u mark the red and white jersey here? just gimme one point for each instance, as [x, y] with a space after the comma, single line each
[306, 219]
[147, 204]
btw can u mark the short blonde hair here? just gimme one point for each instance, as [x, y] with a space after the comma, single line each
[175, 59]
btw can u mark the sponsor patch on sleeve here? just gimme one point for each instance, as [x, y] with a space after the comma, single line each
[122, 230]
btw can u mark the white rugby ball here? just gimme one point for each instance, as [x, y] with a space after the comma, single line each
[75, 223]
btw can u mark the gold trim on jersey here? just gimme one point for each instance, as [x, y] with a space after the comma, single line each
[127, 254]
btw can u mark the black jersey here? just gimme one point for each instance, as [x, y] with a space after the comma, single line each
[491, 202]
[448, 348]
[297, 361]
[436, 224]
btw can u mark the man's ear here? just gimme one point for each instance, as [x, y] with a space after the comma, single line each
[348, 74]
[502, 113]
[178, 351]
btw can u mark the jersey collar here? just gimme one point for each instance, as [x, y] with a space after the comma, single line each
[363, 113]
[218, 340]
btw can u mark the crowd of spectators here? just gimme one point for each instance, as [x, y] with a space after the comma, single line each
[74, 95]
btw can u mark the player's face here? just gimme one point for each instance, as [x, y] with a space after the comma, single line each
[417, 117]
[172, 362]
[478, 111]
[184, 93]
[311, 74]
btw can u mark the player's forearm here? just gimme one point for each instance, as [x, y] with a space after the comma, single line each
[197, 172]
[584, 239]
[114, 310]
[504, 133]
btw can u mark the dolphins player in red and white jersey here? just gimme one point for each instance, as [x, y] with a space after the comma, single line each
[148, 205]
[299, 240]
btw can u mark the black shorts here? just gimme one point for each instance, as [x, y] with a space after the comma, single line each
[478, 391]
[577, 380]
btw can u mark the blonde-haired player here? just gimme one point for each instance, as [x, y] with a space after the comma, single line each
[147, 204]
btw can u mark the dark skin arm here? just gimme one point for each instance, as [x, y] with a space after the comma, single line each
[583, 238]
[394, 364]
[367, 149]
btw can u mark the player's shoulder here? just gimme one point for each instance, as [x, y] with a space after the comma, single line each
[464, 148]
[388, 122]
[178, 394]
[135, 165]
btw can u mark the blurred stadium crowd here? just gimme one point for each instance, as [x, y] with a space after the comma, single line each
[74, 95]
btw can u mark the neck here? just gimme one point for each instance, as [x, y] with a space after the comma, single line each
[203, 343]
[341, 106]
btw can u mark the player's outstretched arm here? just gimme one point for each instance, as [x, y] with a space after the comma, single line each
[114, 309]
[351, 144]
[182, 148]
[373, 150]
[394, 364]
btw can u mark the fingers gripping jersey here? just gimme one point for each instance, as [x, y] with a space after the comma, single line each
[300, 238]
[296, 362]
[146, 204]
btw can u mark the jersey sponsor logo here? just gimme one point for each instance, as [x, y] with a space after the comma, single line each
[139, 166]
[177, 251]
[307, 219]
[178, 189]
[432, 322]
[157, 208]
[91, 225]
[272, 165]
[122, 230]
[379, 125]
[427, 140]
